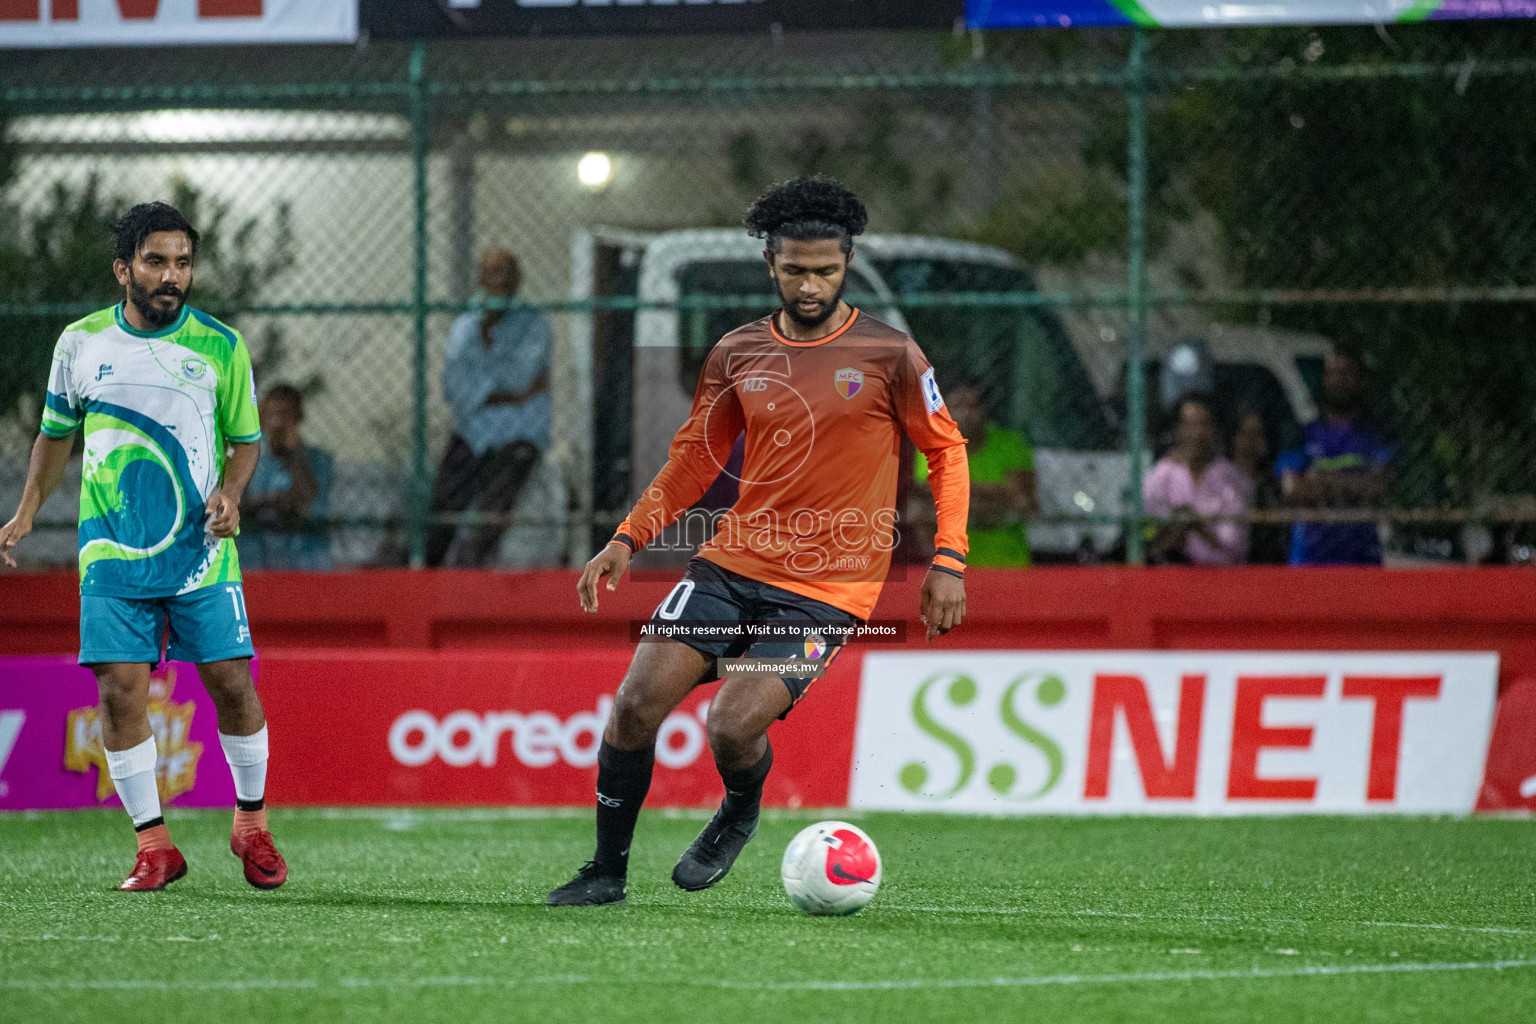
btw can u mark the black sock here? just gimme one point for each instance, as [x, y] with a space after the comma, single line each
[744, 787]
[623, 778]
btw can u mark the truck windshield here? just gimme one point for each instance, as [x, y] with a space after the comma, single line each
[1021, 354]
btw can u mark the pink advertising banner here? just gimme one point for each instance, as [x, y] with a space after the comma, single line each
[50, 738]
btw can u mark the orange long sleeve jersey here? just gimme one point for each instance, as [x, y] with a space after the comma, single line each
[816, 513]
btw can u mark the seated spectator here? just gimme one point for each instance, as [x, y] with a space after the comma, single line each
[1192, 485]
[289, 495]
[496, 381]
[1251, 454]
[1003, 494]
[1344, 464]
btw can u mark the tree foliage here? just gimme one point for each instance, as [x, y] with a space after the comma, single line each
[1418, 174]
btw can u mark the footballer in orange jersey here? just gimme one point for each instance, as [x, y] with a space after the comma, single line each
[822, 393]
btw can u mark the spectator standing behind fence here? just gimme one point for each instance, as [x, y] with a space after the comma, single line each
[1344, 464]
[496, 381]
[289, 495]
[1191, 488]
[1003, 494]
[1253, 457]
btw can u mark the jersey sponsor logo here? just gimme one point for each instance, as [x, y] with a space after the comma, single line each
[754, 384]
[931, 397]
[171, 725]
[104, 370]
[193, 368]
[848, 381]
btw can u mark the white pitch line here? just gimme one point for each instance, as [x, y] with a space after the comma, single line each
[1254, 973]
[434, 814]
[1490, 929]
[1028, 981]
[1214, 918]
[1258, 922]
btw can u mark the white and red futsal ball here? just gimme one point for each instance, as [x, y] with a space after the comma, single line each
[831, 869]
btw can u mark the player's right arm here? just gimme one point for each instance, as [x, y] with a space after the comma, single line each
[50, 457]
[50, 452]
[699, 452]
[611, 562]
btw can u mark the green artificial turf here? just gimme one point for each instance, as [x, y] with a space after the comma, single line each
[437, 916]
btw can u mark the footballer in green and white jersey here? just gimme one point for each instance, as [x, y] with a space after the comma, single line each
[159, 408]
[167, 403]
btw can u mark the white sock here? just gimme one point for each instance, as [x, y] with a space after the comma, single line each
[133, 773]
[247, 757]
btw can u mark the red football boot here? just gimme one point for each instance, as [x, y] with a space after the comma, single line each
[264, 866]
[153, 870]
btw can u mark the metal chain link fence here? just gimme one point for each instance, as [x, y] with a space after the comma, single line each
[1076, 227]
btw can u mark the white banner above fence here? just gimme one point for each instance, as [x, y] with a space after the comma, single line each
[54, 23]
[1124, 732]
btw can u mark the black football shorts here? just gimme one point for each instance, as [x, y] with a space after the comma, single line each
[709, 593]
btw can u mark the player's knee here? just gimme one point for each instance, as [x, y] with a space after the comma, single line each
[119, 694]
[229, 685]
[732, 736]
[635, 719]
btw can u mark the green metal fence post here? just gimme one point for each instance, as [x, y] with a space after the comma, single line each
[420, 146]
[1135, 388]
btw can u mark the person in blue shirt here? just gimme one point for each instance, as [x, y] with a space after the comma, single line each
[289, 497]
[496, 382]
[1344, 464]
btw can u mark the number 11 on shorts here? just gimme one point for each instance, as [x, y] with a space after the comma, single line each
[237, 601]
[237, 598]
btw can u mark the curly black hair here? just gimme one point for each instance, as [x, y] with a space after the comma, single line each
[143, 220]
[807, 208]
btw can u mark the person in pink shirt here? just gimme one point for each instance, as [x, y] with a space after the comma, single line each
[1191, 488]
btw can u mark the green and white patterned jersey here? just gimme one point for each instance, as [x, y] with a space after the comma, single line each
[158, 409]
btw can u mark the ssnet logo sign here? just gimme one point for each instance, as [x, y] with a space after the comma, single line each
[45, 23]
[1125, 732]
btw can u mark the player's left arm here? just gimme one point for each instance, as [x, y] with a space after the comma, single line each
[224, 503]
[699, 449]
[241, 427]
[928, 423]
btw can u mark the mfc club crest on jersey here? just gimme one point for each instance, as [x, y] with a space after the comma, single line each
[193, 368]
[848, 381]
[815, 647]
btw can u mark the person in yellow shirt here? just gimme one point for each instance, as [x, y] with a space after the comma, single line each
[1003, 494]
